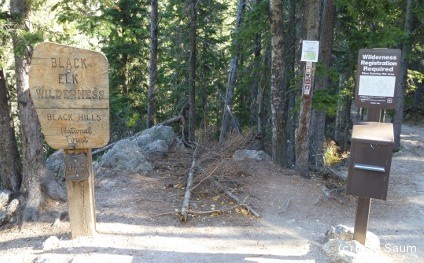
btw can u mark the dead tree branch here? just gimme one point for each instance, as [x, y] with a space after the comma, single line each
[235, 198]
[187, 195]
[222, 210]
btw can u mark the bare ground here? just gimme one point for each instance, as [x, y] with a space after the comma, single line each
[136, 219]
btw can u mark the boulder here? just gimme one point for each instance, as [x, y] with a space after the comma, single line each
[156, 147]
[125, 156]
[159, 132]
[251, 154]
[55, 184]
[56, 166]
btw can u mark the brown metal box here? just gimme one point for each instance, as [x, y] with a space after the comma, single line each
[370, 160]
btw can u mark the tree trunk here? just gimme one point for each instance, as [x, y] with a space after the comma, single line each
[256, 80]
[302, 139]
[318, 117]
[288, 94]
[261, 99]
[125, 73]
[10, 161]
[228, 122]
[400, 92]
[153, 73]
[339, 109]
[32, 150]
[192, 72]
[277, 100]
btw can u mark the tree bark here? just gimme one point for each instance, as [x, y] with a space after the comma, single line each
[288, 94]
[192, 71]
[227, 123]
[153, 63]
[261, 98]
[256, 79]
[10, 161]
[32, 150]
[277, 100]
[400, 92]
[318, 117]
[302, 138]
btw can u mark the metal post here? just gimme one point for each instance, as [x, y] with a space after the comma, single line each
[364, 203]
[361, 219]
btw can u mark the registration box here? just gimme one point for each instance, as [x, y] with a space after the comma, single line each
[371, 157]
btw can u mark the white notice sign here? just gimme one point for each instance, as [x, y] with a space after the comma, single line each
[310, 51]
[379, 86]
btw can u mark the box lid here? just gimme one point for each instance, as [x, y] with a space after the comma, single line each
[369, 132]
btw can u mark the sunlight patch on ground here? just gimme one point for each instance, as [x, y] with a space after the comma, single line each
[272, 260]
[250, 240]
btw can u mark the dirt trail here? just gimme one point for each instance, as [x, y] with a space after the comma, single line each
[294, 218]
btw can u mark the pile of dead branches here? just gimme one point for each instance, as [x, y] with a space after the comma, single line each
[212, 166]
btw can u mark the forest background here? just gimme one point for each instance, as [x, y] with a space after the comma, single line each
[229, 66]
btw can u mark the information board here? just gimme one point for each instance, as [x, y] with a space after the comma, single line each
[377, 78]
[70, 90]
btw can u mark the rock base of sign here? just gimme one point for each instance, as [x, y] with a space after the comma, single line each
[341, 248]
[240, 155]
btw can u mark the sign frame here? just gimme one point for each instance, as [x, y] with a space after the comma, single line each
[377, 78]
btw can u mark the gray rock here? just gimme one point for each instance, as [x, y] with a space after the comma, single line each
[3, 217]
[251, 154]
[125, 156]
[158, 146]
[341, 248]
[340, 251]
[55, 183]
[51, 243]
[54, 189]
[164, 133]
[341, 232]
[12, 207]
[56, 166]
[4, 199]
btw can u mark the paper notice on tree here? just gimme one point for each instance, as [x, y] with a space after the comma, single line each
[310, 51]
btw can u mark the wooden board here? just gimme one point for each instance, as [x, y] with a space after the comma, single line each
[70, 90]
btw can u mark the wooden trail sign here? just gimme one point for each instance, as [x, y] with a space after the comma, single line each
[70, 90]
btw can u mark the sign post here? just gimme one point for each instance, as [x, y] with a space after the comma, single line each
[376, 84]
[70, 90]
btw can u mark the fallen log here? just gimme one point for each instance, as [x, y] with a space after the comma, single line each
[187, 195]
